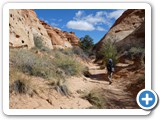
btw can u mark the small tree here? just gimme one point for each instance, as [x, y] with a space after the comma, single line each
[86, 43]
[108, 50]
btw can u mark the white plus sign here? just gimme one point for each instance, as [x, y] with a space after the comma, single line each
[147, 99]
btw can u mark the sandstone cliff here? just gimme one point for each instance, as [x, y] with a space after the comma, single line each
[135, 39]
[61, 38]
[24, 25]
[127, 24]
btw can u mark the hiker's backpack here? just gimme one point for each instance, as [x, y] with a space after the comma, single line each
[112, 69]
[110, 66]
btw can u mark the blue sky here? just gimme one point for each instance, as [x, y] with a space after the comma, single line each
[92, 22]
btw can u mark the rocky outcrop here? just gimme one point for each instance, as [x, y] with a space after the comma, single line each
[129, 23]
[135, 39]
[61, 38]
[24, 25]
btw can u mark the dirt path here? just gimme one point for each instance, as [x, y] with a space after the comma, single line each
[116, 95]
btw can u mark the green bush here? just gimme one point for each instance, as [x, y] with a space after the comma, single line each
[107, 51]
[86, 43]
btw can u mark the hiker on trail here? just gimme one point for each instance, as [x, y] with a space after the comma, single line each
[110, 69]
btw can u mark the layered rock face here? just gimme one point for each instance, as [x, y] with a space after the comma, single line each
[60, 38]
[24, 25]
[127, 29]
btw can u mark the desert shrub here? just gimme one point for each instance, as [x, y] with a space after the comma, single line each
[107, 51]
[96, 99]
[60, 86]
[19, 83]
[69, 65]
[73, 51]
[33, 64]
[62, 89]
[78, 51]
[86, 72]
[20, 86]
[22, 59]
[43, 66]
[38, 42]
[68, 51]
[137, 52]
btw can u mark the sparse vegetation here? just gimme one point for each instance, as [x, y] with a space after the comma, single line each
[137, 52]
[20, 83]
[38, 42]
[54, 66]
[78, 51]
[69, 65]
[60, 86]
[42, 66]
[108, 51]
[33, 64]
[96, 99]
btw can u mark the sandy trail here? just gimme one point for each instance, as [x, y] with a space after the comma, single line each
[48, 98]
[117, 96]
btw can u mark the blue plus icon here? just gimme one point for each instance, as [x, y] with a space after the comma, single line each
[147, 99]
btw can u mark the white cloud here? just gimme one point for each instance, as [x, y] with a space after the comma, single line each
[101, 13]
[80, 25]
[90, 22]
[99, 17]
[79, 13]
[100, 28]
[94, 19]
[115, 14]
[87, 22]
[54, 24]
